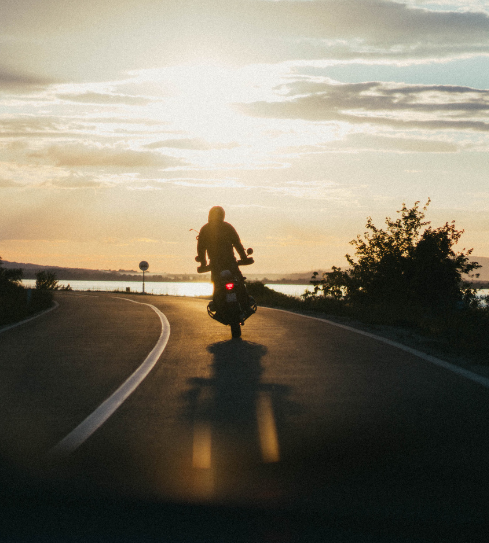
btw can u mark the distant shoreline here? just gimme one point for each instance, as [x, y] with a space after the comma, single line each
[81, 274]
[161, 279]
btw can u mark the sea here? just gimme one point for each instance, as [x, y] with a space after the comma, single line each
[174, 288]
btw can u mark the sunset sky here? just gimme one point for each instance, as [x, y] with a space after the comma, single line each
[122, 122]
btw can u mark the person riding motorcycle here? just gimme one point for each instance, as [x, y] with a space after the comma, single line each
[219, 239]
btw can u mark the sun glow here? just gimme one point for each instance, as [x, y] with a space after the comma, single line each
[199, 98]
[198, 102]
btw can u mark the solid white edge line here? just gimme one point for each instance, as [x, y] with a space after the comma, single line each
[86, 428]
[479, 379]
[10, 326]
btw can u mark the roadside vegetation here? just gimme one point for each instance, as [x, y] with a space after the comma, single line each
[405, 275]
[18, 302]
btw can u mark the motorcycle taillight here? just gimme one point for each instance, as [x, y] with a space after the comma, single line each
[229, 286]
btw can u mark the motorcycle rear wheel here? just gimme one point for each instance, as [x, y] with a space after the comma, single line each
[235, 329]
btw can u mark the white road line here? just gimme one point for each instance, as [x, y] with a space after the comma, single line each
[9, 327]
[479, 379]
[85, 429]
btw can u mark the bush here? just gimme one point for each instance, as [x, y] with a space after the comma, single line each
[12, 295]
[406, 266]
[46, 280]
[268, 297]
[10, 279]
[410, 275]
[17, 302]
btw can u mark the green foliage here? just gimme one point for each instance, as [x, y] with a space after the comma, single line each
[12, 295]
[66, 287]
[46, 280]
[17, 302]
[265, 296]
[409, 275]
[407, 264]
[9, 279]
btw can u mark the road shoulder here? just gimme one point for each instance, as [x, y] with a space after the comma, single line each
[404, 336]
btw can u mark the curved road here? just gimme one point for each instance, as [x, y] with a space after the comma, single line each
[298, 413]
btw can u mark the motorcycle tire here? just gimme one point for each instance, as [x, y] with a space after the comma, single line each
[235, 329]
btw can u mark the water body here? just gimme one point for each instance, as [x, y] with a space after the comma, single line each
[169, 288]
[174, 288]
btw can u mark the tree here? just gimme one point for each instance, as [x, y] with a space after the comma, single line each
[407, 263]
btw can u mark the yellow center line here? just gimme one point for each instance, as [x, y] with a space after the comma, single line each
[201, 458]
[267, 428]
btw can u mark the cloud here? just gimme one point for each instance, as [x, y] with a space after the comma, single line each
[76, 182]
[8, 183]
[106, 99]
[184, 180]
[459, 5]
[194, 144]
[31, 126]
[357, 142]
[310, 190]
[12, 81]
[432, 107]
[96, 40]
[208, 183]
[396, 144]
[381, 30]
[85, 155]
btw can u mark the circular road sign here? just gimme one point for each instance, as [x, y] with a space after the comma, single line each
[143, 265]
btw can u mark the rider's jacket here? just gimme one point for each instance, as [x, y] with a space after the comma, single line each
[218, 239]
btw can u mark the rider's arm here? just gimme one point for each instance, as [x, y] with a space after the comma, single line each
[237, 243]
[202, 246]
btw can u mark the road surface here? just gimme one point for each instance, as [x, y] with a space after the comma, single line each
[298, 414]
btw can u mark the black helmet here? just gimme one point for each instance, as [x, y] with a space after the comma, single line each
[216, 213]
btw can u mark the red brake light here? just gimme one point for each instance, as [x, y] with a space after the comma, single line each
[229, 286]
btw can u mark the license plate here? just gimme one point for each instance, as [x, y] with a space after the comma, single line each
[231, 297]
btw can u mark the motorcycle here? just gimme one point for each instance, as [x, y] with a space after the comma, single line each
[231, 305]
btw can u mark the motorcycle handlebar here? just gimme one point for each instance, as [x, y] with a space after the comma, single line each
[246, 261]
[243, 262]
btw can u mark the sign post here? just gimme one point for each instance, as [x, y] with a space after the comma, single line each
[143, 266]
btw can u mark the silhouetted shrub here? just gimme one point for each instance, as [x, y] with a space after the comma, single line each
[268, 297]
[410, 275]
[17, 302]
[46, 280]
[406, 266]
[12, 295]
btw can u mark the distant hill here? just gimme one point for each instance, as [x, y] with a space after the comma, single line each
[37, 267]
[304, 277]
[85, 274]
[75, 274]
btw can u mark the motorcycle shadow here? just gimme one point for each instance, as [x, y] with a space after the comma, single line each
[237, 418]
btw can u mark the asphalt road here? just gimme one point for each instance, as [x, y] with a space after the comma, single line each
[298, 414]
